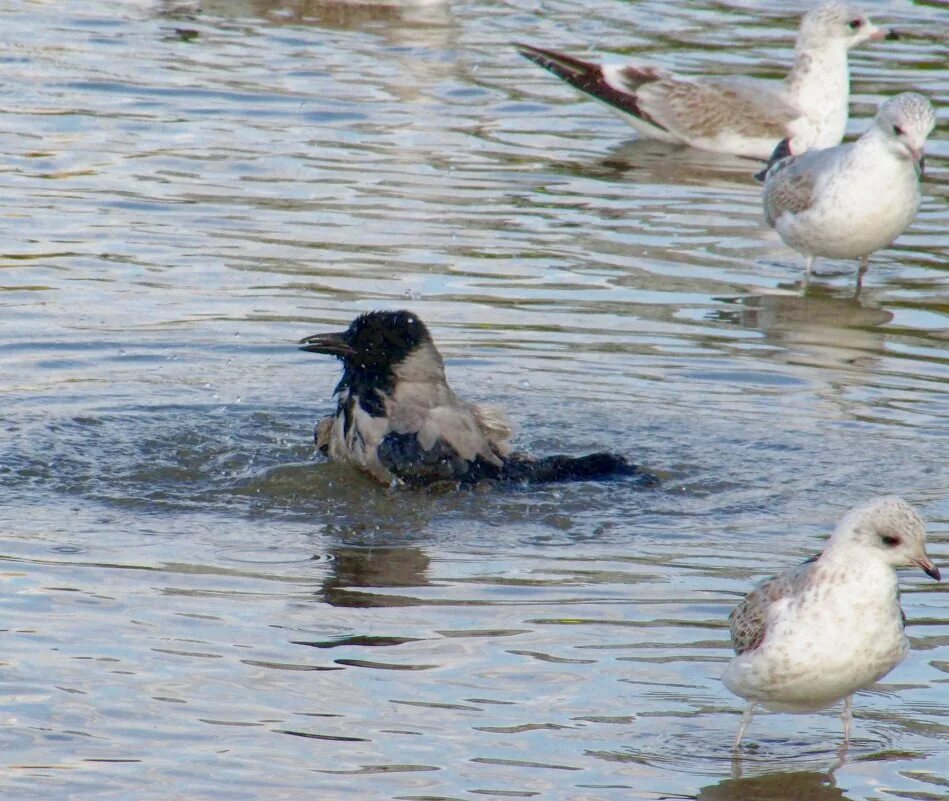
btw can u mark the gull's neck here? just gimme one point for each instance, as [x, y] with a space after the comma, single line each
[858, 564]
[819, 83]
[875, 144]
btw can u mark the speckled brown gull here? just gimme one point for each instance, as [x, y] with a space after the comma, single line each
[849, 201]
[818, 632]
[738, 115]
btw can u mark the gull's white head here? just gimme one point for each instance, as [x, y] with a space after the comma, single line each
[891, 530]
[839, 23]
[906, 121]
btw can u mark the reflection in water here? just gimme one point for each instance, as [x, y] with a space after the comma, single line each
[674, 164]
[793, 786]
[374, 568]
[825, 330]
[339, 14]
[412, 30]
[179, 212]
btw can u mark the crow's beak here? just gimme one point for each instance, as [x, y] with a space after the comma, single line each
[333, 344]
[929, 568]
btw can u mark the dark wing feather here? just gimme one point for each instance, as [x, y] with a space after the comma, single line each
[594, 466]
[590, 79]
[404, 456]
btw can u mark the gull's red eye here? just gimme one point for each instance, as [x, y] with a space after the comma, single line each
[892, 542]
[855, 24]
[898, 131]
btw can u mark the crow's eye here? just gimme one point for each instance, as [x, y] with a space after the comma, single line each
[855, 24]
[891, 542]
[898, 131]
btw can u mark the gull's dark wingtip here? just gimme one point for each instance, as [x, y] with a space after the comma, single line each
[781, 151]
[575, 71]
[532, 52]
[537, 55]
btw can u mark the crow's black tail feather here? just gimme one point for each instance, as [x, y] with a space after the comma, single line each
[593, 467]
[403, 455]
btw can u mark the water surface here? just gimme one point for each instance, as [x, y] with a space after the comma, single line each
[196, 606]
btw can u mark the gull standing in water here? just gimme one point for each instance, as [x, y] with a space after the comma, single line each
[737, 115]
[817, 633]
[848, 201]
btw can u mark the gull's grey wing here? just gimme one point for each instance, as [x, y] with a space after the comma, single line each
[690, 108]
[703, 108]
[789, 188]
[794, 184]
[748, 620]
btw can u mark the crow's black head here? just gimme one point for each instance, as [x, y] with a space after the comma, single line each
[374, 342]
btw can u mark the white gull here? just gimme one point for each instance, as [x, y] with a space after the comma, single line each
[738, 115]
[818, 632]
[850, 200]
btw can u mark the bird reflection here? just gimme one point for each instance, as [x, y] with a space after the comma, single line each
[411, 27]
[792, 786]
[826, 330]
[672, 164]
[338, 14]
[356, 571]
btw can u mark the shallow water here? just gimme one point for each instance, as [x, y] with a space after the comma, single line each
[195, 606]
